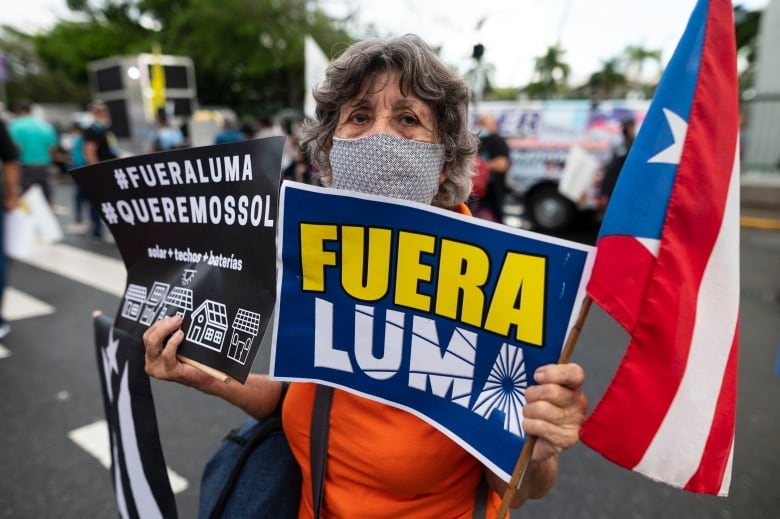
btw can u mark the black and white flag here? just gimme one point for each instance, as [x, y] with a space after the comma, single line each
[138, 467]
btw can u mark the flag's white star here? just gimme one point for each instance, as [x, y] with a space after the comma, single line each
[111, 349]
[679, 127]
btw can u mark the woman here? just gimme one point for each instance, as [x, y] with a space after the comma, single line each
[393, 121]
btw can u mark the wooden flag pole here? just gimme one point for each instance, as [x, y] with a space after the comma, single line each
[525, 455]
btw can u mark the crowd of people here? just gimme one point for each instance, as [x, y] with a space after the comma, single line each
[295, 160]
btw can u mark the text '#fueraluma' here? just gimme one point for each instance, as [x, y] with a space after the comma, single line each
[251, 210]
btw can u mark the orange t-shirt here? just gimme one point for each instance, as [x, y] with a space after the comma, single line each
[382, 462]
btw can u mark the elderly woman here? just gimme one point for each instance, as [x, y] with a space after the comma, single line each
[393, 121]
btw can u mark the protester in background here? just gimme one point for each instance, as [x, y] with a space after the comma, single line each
[99, 144]
[11, 174]
[294, 160]
[267, 128]
[73, 142]
[166, 137]
[229, 132]
[184, 128]
[61, 153]
[248, 130]
[382, 461]
[37, 142]
[495, 152]
[618, 158]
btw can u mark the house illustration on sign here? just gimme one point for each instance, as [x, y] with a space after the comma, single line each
[246, 326]
[135, 296]
[208, 325]
[156, 296]
[178, 302]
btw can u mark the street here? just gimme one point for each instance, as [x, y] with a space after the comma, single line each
[54, 462]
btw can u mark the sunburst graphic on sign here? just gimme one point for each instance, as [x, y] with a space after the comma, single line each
[504, 389]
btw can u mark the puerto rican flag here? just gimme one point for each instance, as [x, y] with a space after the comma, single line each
[667, 269]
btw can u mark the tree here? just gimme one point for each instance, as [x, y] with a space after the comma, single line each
[69, 46]
[248, 54]
[551, 72]
[747, 25]
[30, 77]
[636, 56]
[609, 81]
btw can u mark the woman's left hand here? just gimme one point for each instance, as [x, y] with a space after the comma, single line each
[555, 409]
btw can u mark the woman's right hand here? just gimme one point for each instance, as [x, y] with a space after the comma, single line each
[258, 396]
[161, 360]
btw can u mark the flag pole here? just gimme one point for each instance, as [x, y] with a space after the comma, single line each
[525, 454]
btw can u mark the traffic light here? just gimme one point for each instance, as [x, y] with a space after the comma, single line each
[479, 50]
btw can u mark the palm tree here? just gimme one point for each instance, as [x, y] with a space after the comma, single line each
[746, 24]
[609, 81]
[636, 56]
[551, 71]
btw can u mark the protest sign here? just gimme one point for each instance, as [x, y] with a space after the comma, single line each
[138, 468]
[196, 230]
[441, 314]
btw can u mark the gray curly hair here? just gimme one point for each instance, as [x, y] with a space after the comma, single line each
[423, 74]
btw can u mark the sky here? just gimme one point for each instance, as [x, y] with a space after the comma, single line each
[513, 32]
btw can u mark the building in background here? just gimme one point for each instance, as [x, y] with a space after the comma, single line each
[125, 84]
[760, 180]
[762, 102]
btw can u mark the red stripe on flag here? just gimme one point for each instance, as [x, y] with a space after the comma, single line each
[618, 284]
[719, 443]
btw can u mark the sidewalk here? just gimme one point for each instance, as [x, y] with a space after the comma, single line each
[760, 195]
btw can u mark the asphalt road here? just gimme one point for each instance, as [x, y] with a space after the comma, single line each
[50, 388]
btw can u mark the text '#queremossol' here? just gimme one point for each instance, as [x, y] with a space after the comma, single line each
[243, 210]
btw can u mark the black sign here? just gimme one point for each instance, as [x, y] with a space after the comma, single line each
[196, 229]
[138, 468]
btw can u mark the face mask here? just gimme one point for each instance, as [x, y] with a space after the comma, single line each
[386, 165]
[482, 133]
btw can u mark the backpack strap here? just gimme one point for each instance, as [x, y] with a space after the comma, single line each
[480, 502]
[318, 444]
[318, 447]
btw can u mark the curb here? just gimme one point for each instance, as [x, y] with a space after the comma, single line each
[754, 222]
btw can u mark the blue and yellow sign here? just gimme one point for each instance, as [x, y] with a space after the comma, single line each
[443, 315]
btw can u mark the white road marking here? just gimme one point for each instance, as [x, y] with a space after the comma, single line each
[94, 270]
[4, 352]
[18, 305]
[93, 438]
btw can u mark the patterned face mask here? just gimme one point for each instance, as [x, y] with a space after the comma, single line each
[389, 166]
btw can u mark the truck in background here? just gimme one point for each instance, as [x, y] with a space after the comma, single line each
[543, 135]
[124, 83]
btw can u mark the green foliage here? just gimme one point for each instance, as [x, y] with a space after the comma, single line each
[30, 77]
[552, 73]
[609, 82]
[747, 25]
[260, 67]
[70, 46]
[248, 54]
[504, 94]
